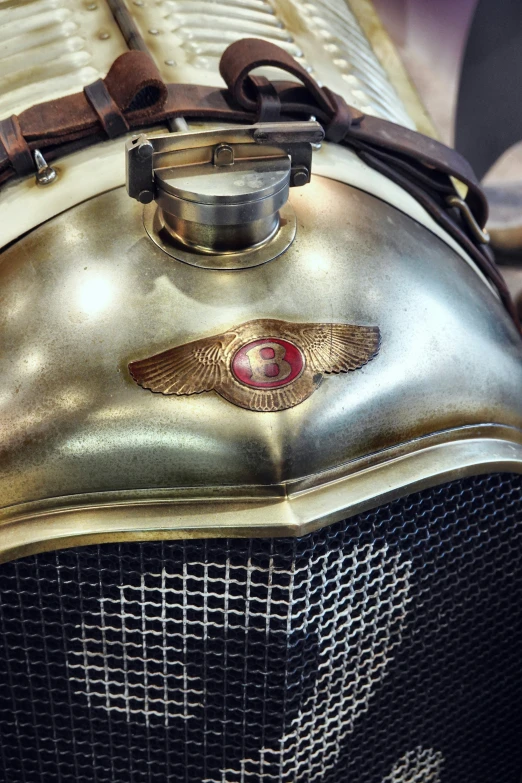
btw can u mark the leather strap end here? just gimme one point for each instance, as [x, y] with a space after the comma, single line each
[242, 57]
[136, 86]
[135, 92]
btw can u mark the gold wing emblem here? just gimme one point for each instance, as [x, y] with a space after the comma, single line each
[334, 348]
[263, 365]
[187, 369]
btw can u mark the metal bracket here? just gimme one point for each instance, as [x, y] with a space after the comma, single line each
[480, 234]
[146, 154]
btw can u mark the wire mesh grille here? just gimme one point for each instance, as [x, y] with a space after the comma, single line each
[384, 649]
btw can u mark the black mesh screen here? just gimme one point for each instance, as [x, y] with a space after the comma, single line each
[384, 649]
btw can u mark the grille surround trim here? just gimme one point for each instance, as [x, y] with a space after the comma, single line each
[292, 509]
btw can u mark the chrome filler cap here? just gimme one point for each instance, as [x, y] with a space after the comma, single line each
[221, 196]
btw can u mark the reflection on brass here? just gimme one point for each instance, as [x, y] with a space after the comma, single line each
[262, 365]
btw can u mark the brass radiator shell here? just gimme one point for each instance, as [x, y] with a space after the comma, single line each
[91, 456]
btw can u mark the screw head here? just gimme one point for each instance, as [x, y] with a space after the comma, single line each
[145, 150]
[46, 176]
[223, 155]
[146, 196]
[300, 177]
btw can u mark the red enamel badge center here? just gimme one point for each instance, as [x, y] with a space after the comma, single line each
[267, 363]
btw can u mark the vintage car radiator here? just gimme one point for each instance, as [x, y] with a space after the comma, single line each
[378, 649]
[314, 578]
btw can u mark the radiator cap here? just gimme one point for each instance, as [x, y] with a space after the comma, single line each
[218, 199]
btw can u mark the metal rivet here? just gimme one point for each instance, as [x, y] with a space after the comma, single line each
[139, 3]
[145, 150]
[223, 155]
[146, 196]
[103, 35]
[47, 177]
[300, 177]
[45, 174]
[170, 62]
[154, 31]
[91, 6]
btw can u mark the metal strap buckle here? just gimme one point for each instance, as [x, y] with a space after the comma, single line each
[480, 234]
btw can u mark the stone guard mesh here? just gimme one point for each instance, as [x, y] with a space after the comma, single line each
[384, 649]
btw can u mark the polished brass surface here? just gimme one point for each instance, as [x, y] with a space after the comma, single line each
[291, 509]
[89, 455]
[233, 363]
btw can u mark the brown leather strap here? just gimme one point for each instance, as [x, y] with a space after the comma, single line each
[112, 119]
[342, 120]
[268, 107]
[133, 93]
[421, 165]
[15, 147]
[58, 127]
[482, 255]
[244, 56]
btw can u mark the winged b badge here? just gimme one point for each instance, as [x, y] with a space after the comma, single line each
[262, 365]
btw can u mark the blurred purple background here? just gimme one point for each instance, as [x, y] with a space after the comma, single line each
[430, 36]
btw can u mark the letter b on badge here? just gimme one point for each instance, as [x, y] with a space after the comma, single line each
[267, 362]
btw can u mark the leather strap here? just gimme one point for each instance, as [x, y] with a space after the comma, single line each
[344, 117]
[268, 108]
[15, 148]
[242, 57]
[133, 90]
[346, 124]
[133, 96]
[110, 116]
